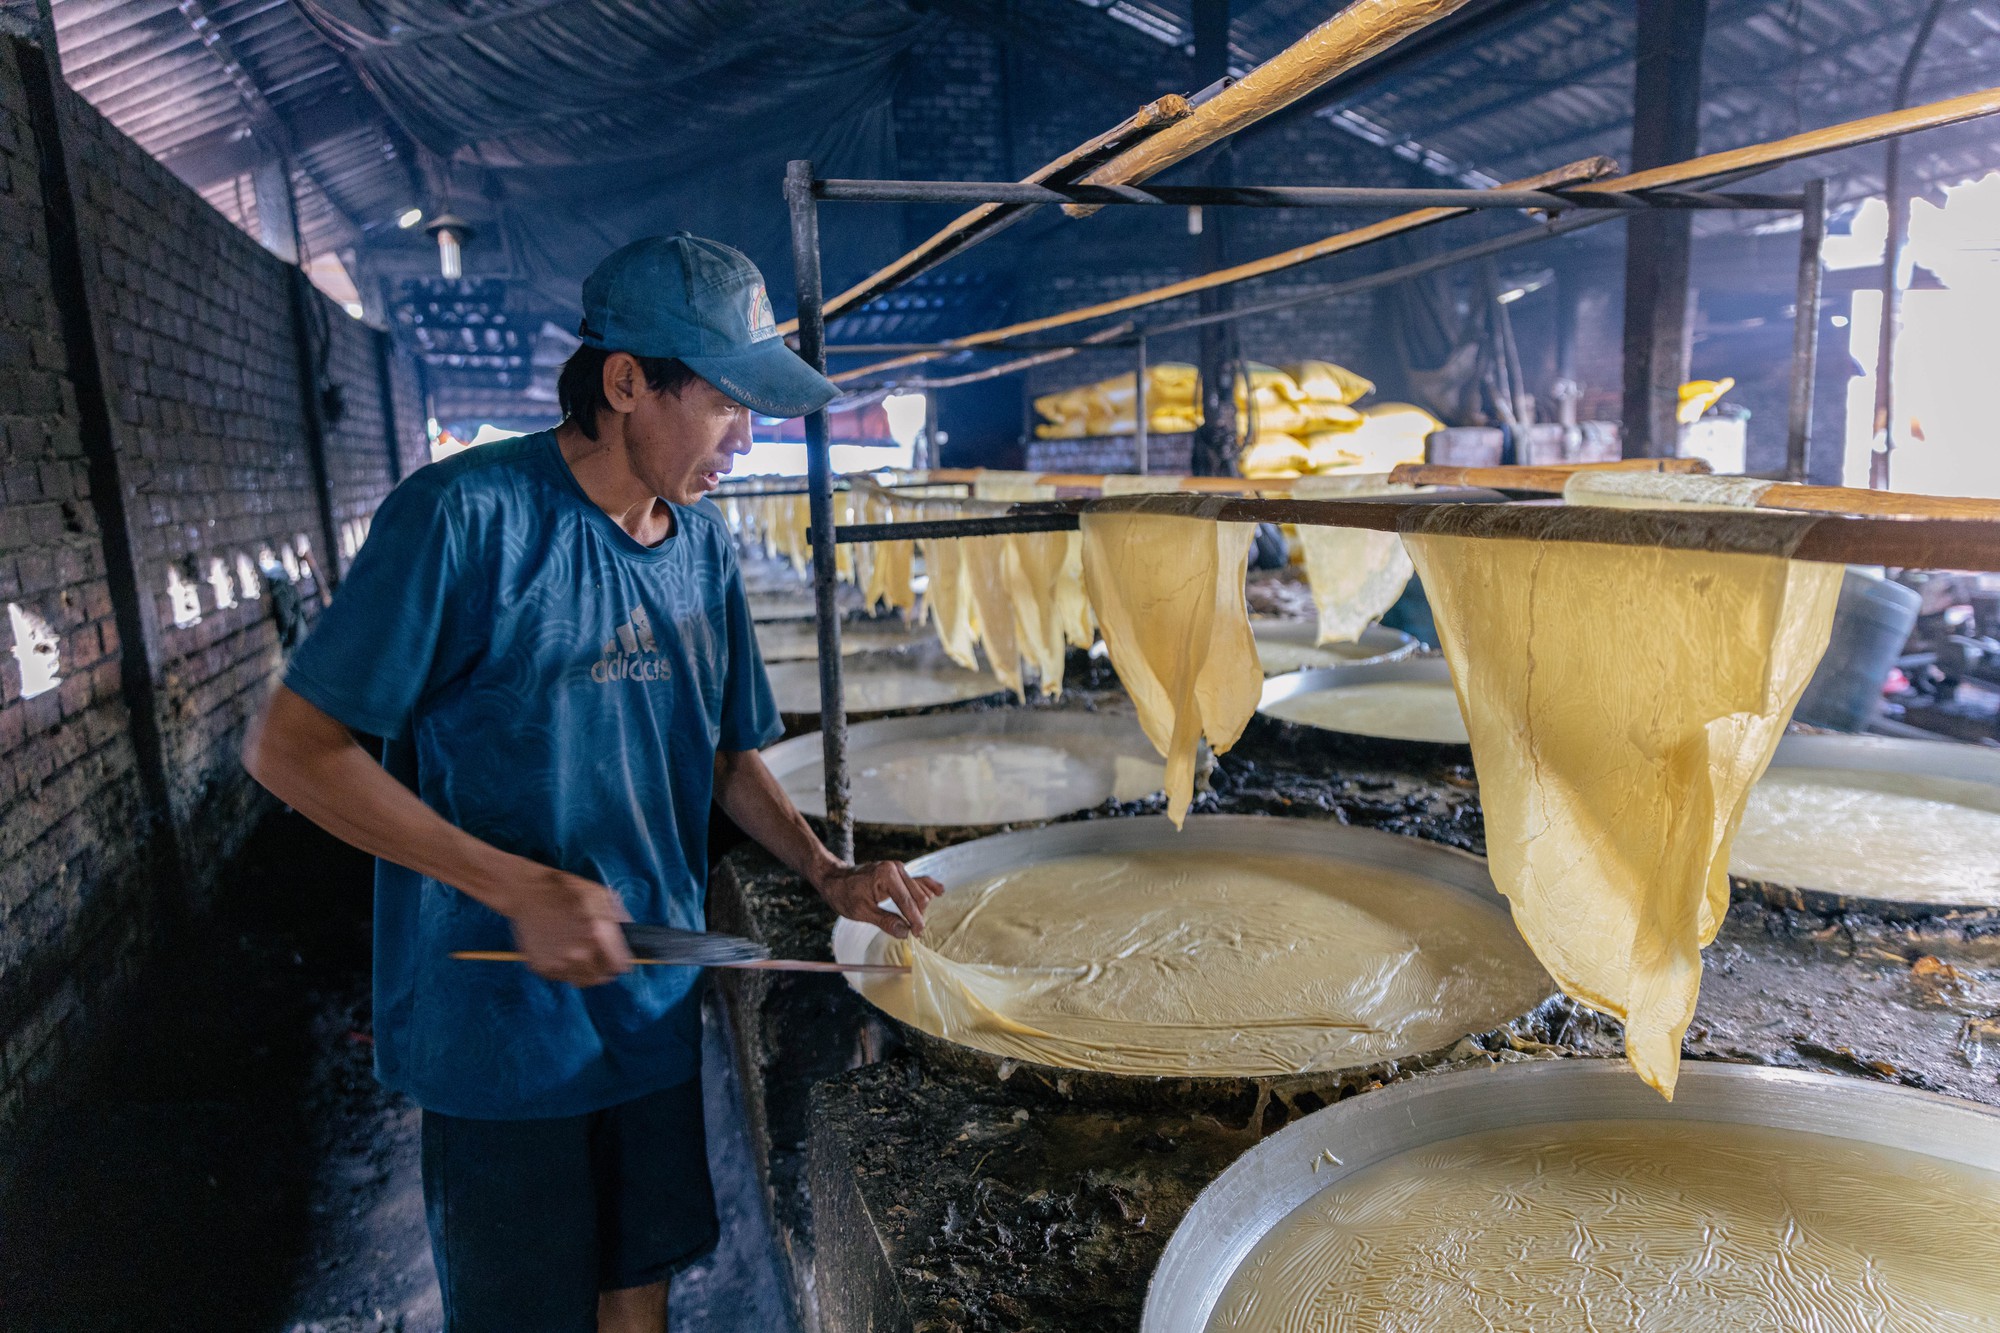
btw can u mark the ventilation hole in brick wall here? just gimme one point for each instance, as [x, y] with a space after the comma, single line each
[222, 583]
[350, 539]
[35, 648]
[186, 598]
[247, 581]
[291, 563]
[305, 550]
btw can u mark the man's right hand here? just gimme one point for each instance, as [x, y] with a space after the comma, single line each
[568, 927]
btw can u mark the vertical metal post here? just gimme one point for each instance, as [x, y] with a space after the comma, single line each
[1141, 418]
[301, 294]
[385, 389]
[819, 484]
[1805, 330]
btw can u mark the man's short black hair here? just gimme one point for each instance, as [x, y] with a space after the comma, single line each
[580, 388]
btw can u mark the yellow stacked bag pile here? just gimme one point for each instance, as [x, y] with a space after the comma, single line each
[1390, 433]
[1173, 405]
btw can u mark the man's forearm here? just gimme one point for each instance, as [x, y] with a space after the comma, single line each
[313, 764]
[751, 794]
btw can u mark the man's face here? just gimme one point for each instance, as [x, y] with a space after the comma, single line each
[681, 445]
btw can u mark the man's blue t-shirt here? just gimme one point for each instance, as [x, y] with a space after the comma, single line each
[551, 686]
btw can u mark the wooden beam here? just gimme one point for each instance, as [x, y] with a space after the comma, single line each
[1666, 127]
[1365, 28]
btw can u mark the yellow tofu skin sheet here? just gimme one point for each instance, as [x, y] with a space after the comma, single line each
[1355, 574]
[1621, 701]
[1167, 593]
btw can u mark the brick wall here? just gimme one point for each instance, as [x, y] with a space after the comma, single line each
[207, 438]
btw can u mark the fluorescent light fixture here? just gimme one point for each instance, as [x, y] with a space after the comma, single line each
[409, 218]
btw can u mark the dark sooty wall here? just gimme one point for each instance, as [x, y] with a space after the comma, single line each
[173, 492]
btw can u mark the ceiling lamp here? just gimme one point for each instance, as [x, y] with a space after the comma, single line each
[452, 233]
[409, 218]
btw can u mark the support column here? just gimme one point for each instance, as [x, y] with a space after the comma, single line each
[385, 388]
[819, 484]
[307, 350]
[277, 214]
[1666, 127]
[1215, 442]
[138, 632]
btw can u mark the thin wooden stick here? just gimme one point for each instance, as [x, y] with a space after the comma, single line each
[1550, 477]
[754, 965]
[1854, 500]
[978, 224]
[1361, 30]
[1576, 173]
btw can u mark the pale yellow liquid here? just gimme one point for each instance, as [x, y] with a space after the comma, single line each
[1876, 835]
[879, 689]
[1593, 1226]
[984, 780]
[1211, 962]
[1402, 710]
[798, 640]
[1279, 658]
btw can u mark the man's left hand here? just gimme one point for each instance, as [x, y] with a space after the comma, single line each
[857, 892]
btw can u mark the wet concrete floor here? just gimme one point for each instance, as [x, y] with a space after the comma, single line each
[236, 1166]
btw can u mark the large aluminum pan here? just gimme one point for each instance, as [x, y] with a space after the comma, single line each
[1078, 761]
[1285, 646]
[898, 684]
[1449, 870]
[1875, 755]
[1269, 731]
[1284, 1172]
[798, 640]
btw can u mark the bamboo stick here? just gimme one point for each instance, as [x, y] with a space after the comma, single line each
[1755, 157]
[1547, 477]
[1854, 500]
[1576, 173]
[977, 224]
[1871, 539]
[753, 964]
[1362, 30]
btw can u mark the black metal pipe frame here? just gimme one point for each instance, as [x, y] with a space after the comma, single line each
[819, 479]
[1285, 196]
[1805, 331]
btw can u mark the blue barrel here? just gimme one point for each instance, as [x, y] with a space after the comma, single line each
[1870, 627]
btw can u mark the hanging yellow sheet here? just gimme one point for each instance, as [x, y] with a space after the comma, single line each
[1072, 603]
[1355, 574]
[983, 560]
[1034, 566]
[948, 598]
[1622, 699]
[889, 564]
[1167, 592]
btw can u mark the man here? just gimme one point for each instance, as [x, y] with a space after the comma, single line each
[552, 636]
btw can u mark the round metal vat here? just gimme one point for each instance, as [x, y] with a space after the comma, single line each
[1877, 764]
[876, 685]
[1453, 875]
[1287, 1171]
[1285, 646]
[798, 640]
[968, 774]
[1364, 694]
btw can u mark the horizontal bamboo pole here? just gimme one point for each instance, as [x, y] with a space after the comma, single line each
[975, 225]
[1549, 477]
[1736, 161]
[1358, 32]
[1855, 500]
[1576, 173]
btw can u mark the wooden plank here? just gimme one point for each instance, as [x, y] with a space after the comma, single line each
[1549, 477]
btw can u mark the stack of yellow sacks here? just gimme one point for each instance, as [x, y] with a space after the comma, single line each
[1305, 417]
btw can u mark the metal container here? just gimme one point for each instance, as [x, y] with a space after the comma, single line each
[922, 679]
[781, 604]
[798, 640]
[1102, 748]
[1875, 754]
[1268, 731]
[1293, 645]
[1261, 1189]
[1265, 1101]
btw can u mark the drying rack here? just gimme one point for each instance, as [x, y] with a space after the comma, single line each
[1885, 538]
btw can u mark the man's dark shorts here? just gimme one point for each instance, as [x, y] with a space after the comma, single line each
[530, 1219]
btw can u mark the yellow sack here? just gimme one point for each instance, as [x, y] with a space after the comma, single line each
[1324, 382]
[1391, 433]
[1324, 418]
[1622, 700]
[1697, 396]
[1167, 592]
[1274, 455]
[1331, 452]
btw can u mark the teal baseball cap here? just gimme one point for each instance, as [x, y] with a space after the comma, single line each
[704, 303]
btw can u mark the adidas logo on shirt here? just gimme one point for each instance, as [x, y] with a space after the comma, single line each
[631, 653]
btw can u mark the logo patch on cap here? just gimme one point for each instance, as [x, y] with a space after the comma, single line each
[763, 324]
